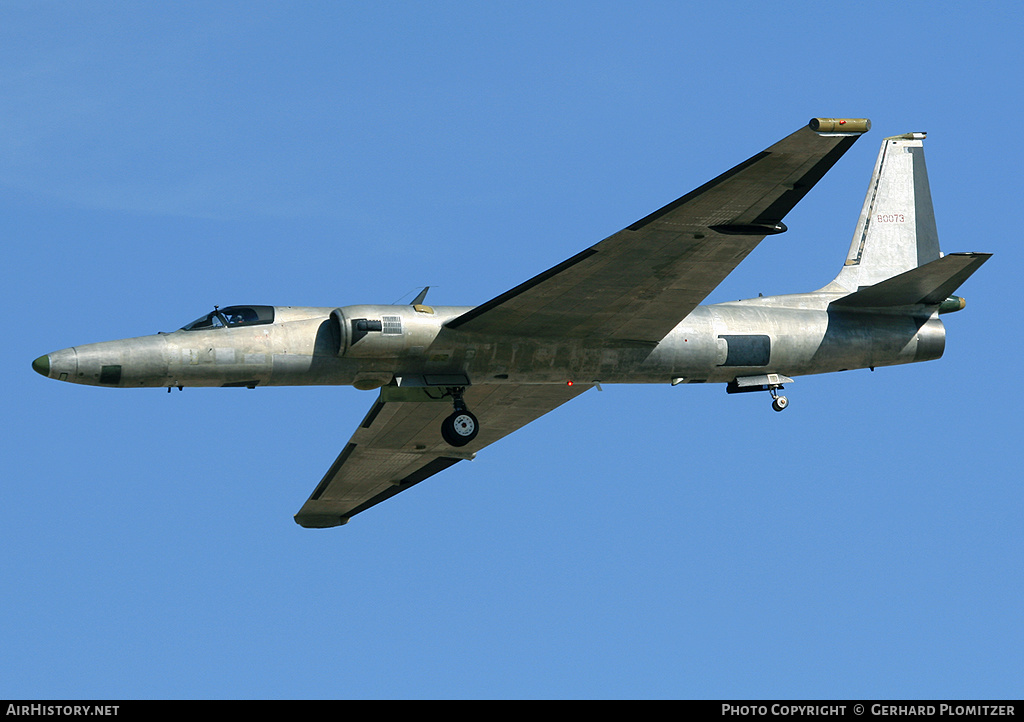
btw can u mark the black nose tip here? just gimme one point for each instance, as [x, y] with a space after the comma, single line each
[42, 365]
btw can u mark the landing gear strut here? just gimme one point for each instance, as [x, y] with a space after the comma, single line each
[461, 427]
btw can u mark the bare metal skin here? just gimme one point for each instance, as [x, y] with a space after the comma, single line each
[455, 379]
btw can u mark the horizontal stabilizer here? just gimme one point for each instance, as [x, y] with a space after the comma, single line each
[930, 284]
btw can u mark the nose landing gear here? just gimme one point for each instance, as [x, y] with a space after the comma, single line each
[778, 402]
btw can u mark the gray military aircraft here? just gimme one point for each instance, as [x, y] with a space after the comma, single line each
[453, 380]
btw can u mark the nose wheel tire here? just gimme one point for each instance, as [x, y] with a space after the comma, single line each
[779, 403]
[460, 428]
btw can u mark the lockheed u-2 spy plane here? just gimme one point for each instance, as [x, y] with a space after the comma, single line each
[453, 380]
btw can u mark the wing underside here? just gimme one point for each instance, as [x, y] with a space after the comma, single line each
[398, 445]
[638, 284]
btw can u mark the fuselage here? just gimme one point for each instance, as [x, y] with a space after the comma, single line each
[372, 345]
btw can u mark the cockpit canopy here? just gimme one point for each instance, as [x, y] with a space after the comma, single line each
[233, 316]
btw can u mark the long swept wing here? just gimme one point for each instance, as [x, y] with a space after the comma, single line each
[638, 284]
[398, 444]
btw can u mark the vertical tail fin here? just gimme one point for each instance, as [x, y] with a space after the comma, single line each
[896, 231]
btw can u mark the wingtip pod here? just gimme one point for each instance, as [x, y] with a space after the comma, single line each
[320, 521]
[840, 125]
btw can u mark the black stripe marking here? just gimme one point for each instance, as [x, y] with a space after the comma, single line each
[370, 417]
[426, 471]
[788, 200]
[522, 287]
[694, 193]
[342, 458]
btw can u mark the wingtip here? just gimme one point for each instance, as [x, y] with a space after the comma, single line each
[320, 521]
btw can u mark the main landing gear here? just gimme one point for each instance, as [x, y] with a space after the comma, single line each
[461, 427]
[778, 402]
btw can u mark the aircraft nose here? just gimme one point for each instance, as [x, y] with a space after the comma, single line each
[60, 365]
[42, 365]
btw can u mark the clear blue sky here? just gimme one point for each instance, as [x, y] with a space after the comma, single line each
[159, 158]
